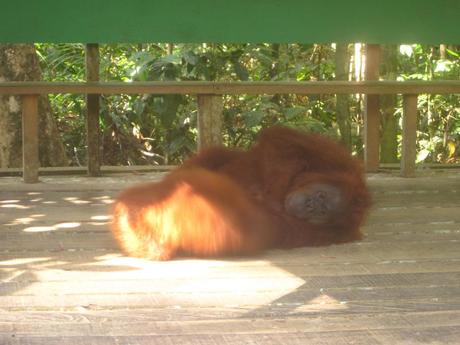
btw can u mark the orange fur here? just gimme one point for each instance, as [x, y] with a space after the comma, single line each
[190, 212]
[227, 202]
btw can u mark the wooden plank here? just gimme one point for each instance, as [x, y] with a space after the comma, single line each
[210, 117]
[97, 230]
[378, 256]
[82, 210]
[380, 184]
[106, 169]
[223, 282]
[417, 228]
[73, 184]
[435, 198]
[422, 184]
[306, 298]
[364, 252]
[416, 215]
[435, 193]
[416, 336]
[92, 111]
[382, 232]
[372, 111]
[318, 307]
[419, 337]
[91, 204]
[409, 136]
[58, 242]
[330, 323]
[136, 317]
[233, 88]
[30, 138]
[71, 231]
[110, 265]
[412, 237]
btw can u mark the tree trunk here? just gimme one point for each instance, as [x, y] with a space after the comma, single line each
[442, 51]
[19, 62]
[342, 65]
[388, 103]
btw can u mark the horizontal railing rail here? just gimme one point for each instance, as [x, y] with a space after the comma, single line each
[232, 88]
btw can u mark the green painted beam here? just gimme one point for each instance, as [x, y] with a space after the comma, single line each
[303, 21]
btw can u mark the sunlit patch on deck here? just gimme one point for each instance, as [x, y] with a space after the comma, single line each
[22, 261]
[59, 226]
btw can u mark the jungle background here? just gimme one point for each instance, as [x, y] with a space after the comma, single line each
[161, 129]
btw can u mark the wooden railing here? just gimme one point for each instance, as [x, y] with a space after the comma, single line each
[210, 109]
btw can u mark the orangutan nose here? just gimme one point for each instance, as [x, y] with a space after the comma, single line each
[317, 203]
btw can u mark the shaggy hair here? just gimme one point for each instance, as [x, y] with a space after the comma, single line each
[290, 189]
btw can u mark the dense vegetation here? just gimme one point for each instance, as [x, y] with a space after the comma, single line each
[139, 129]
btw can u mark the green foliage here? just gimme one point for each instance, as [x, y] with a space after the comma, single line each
[438, 135]
[159, 129]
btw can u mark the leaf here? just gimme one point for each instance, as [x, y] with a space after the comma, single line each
[190, 57]
[291, 113]
[444, 66]
[165, 67]
[252, 118]
[451, 148]
[453, 53]
[407, 50]
[314, 125]
[174, 59]
[176, 145]
[142, 57]
[138, 107]
[422, 155]
[166, 106]
[240, 70]
[263, 55]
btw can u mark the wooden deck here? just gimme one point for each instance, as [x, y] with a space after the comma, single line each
[63, 280]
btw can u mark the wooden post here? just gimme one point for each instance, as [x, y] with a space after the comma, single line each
[210, 115]
[409, 136]
[30, 138]
[372, 111]
[92, 112]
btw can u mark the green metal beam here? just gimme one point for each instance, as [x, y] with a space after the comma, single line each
[232, 21]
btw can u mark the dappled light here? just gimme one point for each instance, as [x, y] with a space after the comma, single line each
[22, 207]
[25, 220]
[23, 261]
[40, 228]
[102, 217]
[103, 199]
[36, 200]
[77, 201]
[4, 202]
[59, 226]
